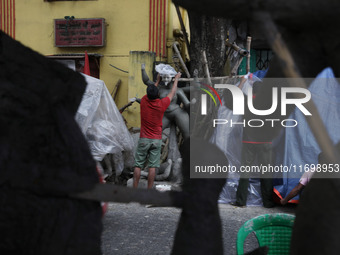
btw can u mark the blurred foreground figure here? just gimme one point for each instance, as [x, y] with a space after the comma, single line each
[199, 230]
[43, 158]
[317, 223]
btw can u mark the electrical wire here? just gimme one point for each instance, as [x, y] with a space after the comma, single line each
[119, 69]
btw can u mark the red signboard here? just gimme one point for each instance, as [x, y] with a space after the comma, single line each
[79, 32]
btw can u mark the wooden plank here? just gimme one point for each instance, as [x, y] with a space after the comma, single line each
[206, 68]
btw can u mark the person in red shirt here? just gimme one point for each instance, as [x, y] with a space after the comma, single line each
[152, 109]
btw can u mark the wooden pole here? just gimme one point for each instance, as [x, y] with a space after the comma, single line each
[181, 60]
[238, 63]
[248, 55]
[125, 106]
[182, 26]
[206, 68]
[235, 47]
[116, 89]
[212, 78]
[290, 70]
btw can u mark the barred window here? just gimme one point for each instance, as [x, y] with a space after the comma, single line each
[263, 58]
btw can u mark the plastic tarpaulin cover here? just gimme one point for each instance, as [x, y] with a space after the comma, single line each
[297, 146]
[229, 140]
[103, 125]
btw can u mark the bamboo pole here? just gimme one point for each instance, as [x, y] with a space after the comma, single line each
[181, 60]
[116, 89]
[212, 78]
[248, 55]
[206, 68]
[238, 63]
[125, 106]
[236, 48]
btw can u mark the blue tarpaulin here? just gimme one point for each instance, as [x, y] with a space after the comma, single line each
[297, 147]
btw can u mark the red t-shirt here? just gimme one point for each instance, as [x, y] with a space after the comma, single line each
[151, 113]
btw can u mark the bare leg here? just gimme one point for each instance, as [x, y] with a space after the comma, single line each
[136, 176]
[151, 177]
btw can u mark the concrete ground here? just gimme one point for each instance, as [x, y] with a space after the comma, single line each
[134, 229]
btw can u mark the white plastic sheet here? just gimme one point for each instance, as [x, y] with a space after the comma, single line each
[163, 69]
[103, 125]
[229, 140]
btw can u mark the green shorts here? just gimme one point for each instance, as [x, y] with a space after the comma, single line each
[148, 150]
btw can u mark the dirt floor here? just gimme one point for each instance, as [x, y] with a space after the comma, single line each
[136, 229]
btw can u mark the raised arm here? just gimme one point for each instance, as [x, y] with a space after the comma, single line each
[174, 87]
[145, 77]
[294, 192]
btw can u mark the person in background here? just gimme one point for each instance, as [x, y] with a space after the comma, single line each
[304, 180]
[253, 150]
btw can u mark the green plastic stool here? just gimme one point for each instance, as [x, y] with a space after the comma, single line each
[272, 230]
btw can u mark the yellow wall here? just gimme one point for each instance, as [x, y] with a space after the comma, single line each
[127, 30]
[136, 85]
